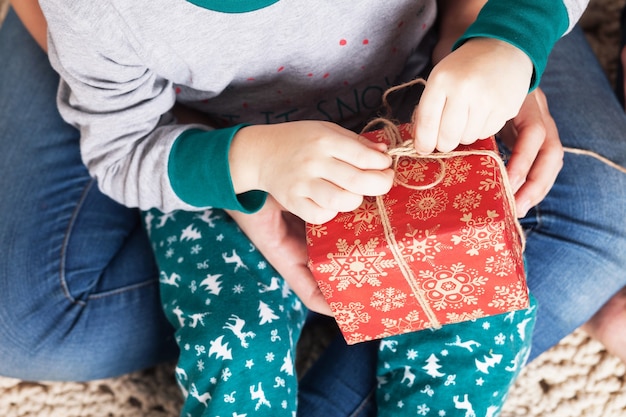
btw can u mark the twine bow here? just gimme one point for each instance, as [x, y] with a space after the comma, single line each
[399, 148]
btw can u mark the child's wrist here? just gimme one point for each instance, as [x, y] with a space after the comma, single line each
[243, 157]
[505, 51]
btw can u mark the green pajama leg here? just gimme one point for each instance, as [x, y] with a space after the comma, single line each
[464, 369]
[237, 322]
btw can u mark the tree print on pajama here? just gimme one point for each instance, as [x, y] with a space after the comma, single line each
[464, 369]
[237, 322]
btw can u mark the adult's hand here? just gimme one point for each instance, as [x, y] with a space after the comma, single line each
[280, 237]
[537, 153]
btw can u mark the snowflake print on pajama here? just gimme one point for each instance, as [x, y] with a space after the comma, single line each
[237, 322]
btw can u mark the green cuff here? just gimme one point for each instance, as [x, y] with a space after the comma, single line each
[530, 25]
[199, 172]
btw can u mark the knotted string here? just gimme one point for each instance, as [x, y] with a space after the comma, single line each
[399, 148]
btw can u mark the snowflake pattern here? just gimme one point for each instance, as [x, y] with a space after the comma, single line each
[457, 171]
[388, 299]
[317, 230]
[452, 287]
[405, 324]
[454, 317]
[512, 297]
[467, 201]
[426, 204]
[501, 264]
[356, 264]
[481, 233]
[365, 218]
[413, 170]
[350, 316]
[422, 409]
[421, 245]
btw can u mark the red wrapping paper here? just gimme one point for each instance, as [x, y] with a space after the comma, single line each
[445, 247]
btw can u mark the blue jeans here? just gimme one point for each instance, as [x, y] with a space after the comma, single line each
[576, 237]
[78, 285]
[78, 289]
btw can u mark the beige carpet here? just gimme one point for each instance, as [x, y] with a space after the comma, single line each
[577, 378]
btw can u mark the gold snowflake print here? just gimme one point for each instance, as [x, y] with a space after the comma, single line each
[427, 204]
[366, 217]
[349, 317]
[467, 201]
[357, 264]
[481, 233]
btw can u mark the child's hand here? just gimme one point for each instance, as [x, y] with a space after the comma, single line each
[313, 169]
[471, 94]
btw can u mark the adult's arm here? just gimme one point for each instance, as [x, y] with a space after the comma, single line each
[32, 17]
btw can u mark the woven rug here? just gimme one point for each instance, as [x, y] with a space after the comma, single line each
[576, 378]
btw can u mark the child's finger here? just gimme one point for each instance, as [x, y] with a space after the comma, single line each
[362, 153]
[361, 182]
[309, 211]
[454, 120]
[428, 120]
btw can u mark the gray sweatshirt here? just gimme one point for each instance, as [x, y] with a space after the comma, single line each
[123, 64]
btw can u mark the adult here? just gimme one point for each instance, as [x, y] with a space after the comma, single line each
[66, 324]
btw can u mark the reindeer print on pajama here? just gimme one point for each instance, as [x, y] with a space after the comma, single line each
[237, 324]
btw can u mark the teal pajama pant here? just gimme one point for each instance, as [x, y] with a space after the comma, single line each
[237, 325]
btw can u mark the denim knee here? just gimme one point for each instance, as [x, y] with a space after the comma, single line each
[74, 307]
[50, 337]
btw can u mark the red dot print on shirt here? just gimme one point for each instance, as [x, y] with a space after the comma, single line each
[280, 69]
[177, 90]
[343, 42]
[366, 41]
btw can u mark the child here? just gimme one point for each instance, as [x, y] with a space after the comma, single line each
[243, 64]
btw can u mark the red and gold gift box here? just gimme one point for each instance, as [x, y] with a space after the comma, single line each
[443, 246]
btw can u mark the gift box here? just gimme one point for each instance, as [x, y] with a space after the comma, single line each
[443, 246]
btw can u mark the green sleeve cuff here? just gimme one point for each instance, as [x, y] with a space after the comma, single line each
[199, 172]
[533, 26]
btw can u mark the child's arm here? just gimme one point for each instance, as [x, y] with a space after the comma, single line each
[473, 91]
[142, 158]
